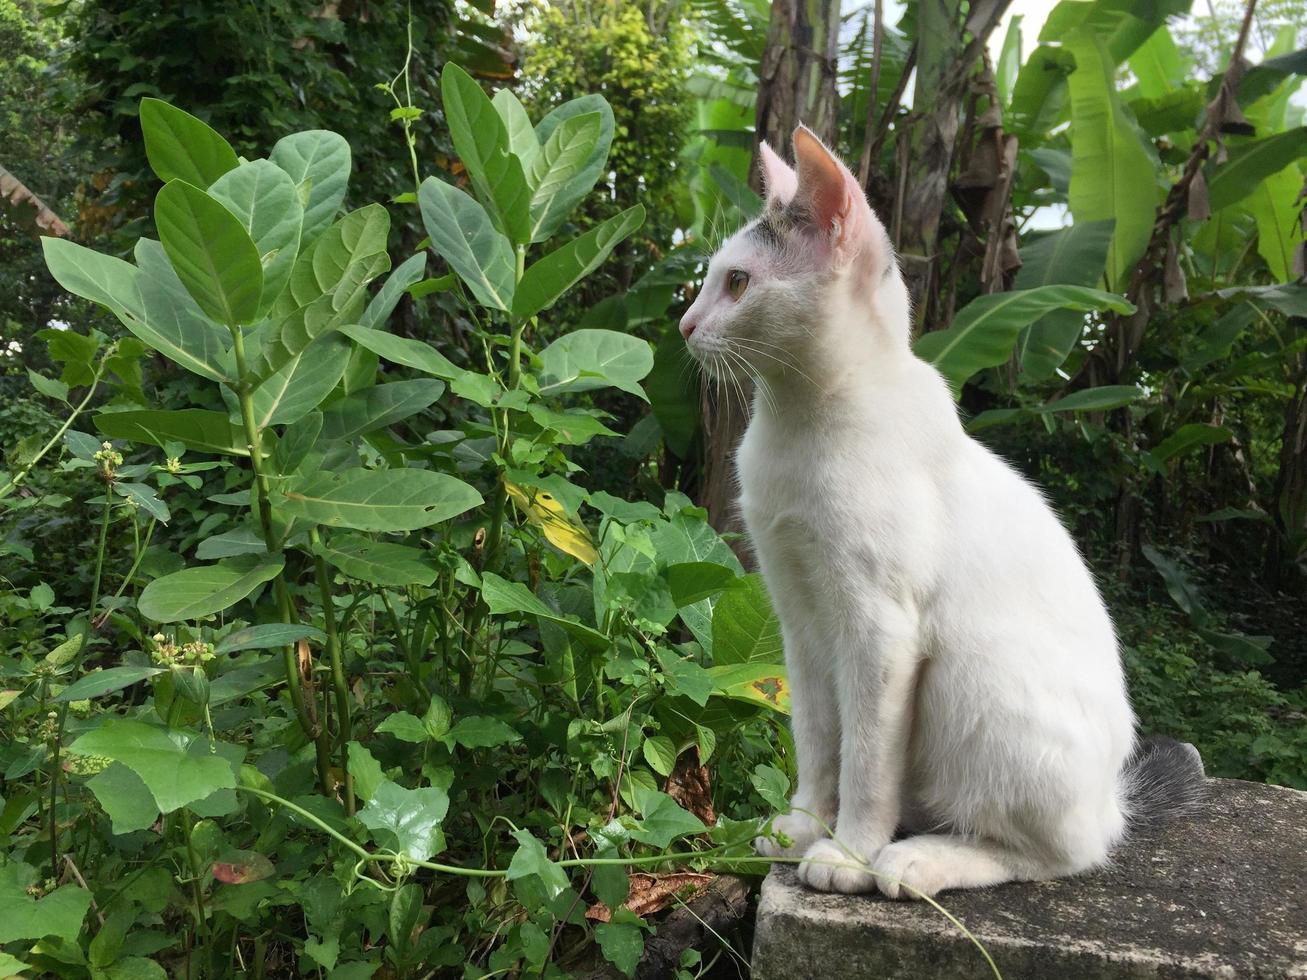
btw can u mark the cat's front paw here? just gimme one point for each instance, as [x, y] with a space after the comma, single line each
[829, 867]
[792, 835]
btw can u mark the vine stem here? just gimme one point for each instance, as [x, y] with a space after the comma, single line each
[262, 509]
[339, 683]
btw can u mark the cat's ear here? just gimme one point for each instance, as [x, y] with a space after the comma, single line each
[778, 177]
[832, 197]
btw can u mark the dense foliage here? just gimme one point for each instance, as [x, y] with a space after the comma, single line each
[356, 615]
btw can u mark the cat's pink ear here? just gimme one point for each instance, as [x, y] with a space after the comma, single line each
[833, 197]
[778, 177]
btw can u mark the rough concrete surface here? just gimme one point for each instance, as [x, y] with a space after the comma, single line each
[1220, 894]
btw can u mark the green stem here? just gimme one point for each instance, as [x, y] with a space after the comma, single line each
[18, 477]
[262, 509]
[197, 883]
[77, 668]
[339, 682]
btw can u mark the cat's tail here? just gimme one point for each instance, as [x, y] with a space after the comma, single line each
[1162, 780]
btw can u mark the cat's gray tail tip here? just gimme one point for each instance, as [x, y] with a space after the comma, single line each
[1164, 779]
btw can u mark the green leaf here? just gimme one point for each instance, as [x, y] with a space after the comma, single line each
[196, 428]
[264, 199]
[517, 128]
[378, 500]
[102, 682]
[126, 799]
[50, 387]
[1104, 398]
[1250, 163]
[175, 776]
[268, 636]
[462, 234]
[481, 141]
[773, 786]
[757, 683]
[203, 590]
[388, 296]
[329, 284]
[405, 727]
[181, 147]
[300, 385]
[366, 770]
[1158, 65]
[584, 360]
[377, 407]
[144, 497]
[1274, 205]
[407, 819]
[211, 251]
[1190, 436]
[1114, 169]
[377, 562]
[146, 304]
[744, 628]
[403, 350]
[318, 161]
[60, 913]
[1009, 61]
[1181, 590]
[503, 596]
[622, 945]
[660, 752]
[1075, 256]
[479, 732]
[572, 156]
[532, 859]
[984, 331]
[549, 278]
[690, 582]
[664, 820]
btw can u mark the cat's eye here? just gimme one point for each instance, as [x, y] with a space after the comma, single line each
[737, 280]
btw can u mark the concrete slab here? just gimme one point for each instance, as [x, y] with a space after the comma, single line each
[1220, 894]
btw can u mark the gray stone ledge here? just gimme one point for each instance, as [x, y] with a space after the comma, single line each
[1221, 894]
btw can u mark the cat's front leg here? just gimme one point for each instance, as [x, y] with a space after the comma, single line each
[877, 666]
[814, 721]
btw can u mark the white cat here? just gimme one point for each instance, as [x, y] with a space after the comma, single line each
[954, 672]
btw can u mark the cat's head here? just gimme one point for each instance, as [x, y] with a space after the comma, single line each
[811, 276]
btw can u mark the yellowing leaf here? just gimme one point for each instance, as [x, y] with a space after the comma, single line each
[560, 528]
[764, 684]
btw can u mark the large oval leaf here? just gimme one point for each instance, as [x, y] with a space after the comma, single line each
[403, 350]
[194, 593]
[264, 198]
[196, 428]
[299, 386]
[984, 331]
[584, 360]
[157, 310]
[481, 141]
[572, 156]
[181, 147]
[377, 562]
[558, 271]
[214, 256]
[379, 406]
[318, 161]
[463, 235]
[379, 500]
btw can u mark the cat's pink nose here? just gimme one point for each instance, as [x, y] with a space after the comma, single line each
[688, 326]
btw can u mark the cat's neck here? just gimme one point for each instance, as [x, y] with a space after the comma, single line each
[848, 361]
